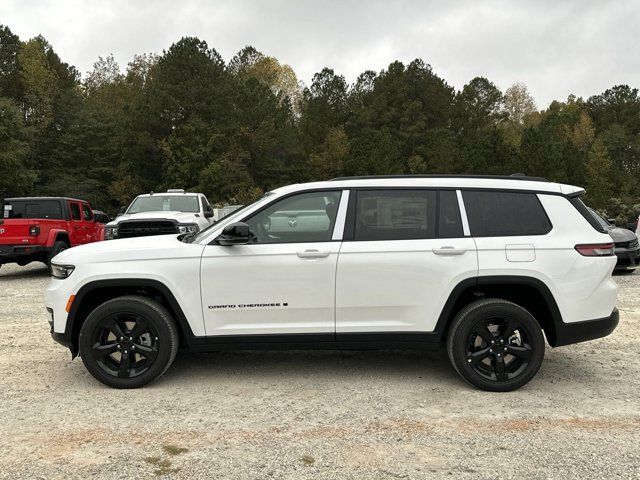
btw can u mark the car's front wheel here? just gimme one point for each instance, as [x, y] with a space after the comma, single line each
[128, 342]
[495, 345]
[57, 248]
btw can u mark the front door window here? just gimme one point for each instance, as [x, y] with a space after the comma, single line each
[304, 218]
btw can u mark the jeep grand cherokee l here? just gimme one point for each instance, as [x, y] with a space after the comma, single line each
[483, 265]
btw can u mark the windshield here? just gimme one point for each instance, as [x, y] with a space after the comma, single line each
[165, 203]
[232, 217]
[600, 220]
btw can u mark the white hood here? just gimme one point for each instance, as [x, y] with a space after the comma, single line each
[129, 249]
[180, 217]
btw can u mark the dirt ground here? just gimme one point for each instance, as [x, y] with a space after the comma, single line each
[312, 415]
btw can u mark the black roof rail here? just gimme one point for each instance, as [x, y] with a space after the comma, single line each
[21, 199]
[515, 176]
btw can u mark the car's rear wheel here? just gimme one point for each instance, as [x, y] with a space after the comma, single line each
[128, 342]
[495, 345]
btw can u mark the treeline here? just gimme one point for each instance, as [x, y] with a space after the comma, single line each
[233, 130]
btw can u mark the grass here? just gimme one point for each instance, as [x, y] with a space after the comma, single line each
[163, 467]
[174, 450]
[307, 460]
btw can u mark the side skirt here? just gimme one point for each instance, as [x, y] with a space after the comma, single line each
[322, 341]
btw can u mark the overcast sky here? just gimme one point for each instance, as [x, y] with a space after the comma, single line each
[554, 47]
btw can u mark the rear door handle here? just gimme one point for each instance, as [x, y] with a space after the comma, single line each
[449, 251]
[313, 254]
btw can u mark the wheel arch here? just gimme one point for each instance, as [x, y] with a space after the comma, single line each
[95, 293]
[56, 235]
[529, 292]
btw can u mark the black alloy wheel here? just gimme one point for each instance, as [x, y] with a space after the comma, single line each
[495, 345]
[498, 348]
[128, 342]
[125, 345]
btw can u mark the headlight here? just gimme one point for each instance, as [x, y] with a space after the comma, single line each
[110, 233]
[188, 228]
[61, 271]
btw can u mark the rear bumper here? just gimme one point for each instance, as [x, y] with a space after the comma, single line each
[13, 253]
[576, 332]
[627, 259]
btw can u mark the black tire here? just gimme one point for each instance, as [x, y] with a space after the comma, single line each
[58, 246]
[495, 345]
[153, 331]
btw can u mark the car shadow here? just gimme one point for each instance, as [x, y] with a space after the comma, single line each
[12, 271]
[296, 365]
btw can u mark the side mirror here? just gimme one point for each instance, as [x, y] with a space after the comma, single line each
[121, 211]
[208, 212]
[234, 234]
[612, 221]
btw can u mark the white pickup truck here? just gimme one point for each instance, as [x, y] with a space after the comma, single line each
[175, 211]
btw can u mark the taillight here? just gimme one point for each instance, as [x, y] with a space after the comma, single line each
[595, 249]
[34, 230]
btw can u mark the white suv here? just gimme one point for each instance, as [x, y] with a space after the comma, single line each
[176, 211]
[483, 264]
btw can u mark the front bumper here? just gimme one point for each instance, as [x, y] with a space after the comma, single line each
[13, 253]
[627, 259]
[575, 332]
[56, 296]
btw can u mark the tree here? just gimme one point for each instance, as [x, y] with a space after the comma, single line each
[479, 105]
[599, 175]
[16, 178]
[188, 79]
[40, 83]
[324, 106]
[518, 103]
[520, 112]
[10, 84]
[328, 162]
[281, 79]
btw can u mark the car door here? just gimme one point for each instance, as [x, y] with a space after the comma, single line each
[283, 281]
[77, 233]
[404, 251]
[90, 227]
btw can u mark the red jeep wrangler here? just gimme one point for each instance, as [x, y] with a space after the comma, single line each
[37, 229]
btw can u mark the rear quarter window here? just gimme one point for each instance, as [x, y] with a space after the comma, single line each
[42, 209]
[500, 214]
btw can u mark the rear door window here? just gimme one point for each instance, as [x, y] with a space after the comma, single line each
[395, 215]
[500, 214]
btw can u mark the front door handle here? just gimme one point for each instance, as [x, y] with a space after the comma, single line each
[449, 251]
[313, 254]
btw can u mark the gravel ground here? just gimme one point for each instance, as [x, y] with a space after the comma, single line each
[310, 415]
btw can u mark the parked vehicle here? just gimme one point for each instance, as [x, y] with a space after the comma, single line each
[220, 213]
[483, 264]
[38, 228]
[626, 249]
[101, 217]
[161, 214]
